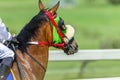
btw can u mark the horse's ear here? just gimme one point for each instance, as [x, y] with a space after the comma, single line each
[54, 9]
[41, 6]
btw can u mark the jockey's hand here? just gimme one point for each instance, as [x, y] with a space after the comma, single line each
[13, 40]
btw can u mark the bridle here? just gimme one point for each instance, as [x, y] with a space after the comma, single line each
[61, 35]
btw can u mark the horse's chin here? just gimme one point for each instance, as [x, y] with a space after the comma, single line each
[70, 51]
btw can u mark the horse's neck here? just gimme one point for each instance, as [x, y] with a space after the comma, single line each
[29, 66]
[39, 52]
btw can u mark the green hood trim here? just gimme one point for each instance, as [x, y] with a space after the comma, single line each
[56, 37]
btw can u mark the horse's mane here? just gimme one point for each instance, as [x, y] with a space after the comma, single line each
[29, 30]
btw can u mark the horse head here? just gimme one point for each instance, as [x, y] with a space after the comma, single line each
[65, 32]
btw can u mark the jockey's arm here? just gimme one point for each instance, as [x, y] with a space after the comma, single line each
[4, 33]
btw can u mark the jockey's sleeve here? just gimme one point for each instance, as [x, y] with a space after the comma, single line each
[4, 33]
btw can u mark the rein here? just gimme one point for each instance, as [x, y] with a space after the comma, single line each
[35, 60]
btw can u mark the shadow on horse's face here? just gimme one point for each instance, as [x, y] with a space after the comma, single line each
[70, 45]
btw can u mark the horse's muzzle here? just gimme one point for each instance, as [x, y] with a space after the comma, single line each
[70, 49]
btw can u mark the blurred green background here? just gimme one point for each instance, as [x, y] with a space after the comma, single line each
[97, 27]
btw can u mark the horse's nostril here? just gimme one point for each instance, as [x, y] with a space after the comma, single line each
[77, 46]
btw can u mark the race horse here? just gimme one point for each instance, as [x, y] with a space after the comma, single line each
[33, 44]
